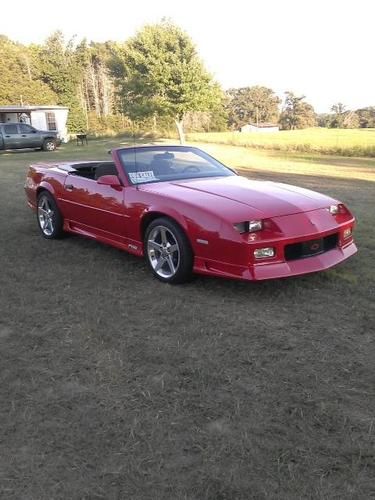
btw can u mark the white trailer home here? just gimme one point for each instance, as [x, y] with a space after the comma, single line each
[41, 117]
[260, 127]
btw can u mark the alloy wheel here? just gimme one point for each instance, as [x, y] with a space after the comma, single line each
[163, 252]
[46, 216]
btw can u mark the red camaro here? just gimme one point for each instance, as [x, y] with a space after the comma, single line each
[187, 212]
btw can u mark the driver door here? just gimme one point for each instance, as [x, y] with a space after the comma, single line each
[94, 208]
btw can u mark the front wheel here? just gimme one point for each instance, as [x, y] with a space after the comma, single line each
[50, 220]
[49, 145]
[168, 251]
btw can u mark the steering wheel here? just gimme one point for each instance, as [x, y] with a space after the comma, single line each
[191, 168]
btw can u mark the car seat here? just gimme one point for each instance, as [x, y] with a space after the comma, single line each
[105, 169]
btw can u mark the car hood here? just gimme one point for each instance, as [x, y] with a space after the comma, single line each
[264, 198]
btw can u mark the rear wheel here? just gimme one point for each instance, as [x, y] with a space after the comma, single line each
[50, 220]
[168, 251]
[49, 145]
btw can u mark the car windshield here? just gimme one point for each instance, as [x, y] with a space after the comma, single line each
[168, 163]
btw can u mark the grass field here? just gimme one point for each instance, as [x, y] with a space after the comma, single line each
[355, 142]
[115, 386]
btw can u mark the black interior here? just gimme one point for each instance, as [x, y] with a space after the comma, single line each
[94, 170]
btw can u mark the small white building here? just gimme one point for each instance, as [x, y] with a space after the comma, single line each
[260, 127]
[41, 117]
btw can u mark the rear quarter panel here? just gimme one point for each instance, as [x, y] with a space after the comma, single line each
[43, 176]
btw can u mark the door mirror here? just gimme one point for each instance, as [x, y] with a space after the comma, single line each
[109, 180]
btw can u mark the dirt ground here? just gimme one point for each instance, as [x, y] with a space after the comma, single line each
[116, 386]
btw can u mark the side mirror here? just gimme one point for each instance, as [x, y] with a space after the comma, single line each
[109, 180]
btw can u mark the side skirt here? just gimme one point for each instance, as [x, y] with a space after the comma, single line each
[128, 245]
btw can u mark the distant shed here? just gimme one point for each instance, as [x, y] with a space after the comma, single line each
[41, 117]
[260, 127]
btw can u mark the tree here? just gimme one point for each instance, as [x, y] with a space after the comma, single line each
[62, 72]
[297, 113]
[366, 117]
[351, 120]
[159, 73]
[19, 76]
[97, 90]
[252, 104]
[324, 120]
[338, 115]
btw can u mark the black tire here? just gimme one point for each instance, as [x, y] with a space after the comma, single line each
[170, 257]
[49, 145]
[50, 220]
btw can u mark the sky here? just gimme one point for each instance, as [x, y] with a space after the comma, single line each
[322, 49]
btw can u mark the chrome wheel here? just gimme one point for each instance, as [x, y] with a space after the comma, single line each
[46, 216]
[163, 252]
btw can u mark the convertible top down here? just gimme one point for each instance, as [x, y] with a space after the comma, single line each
[187, 212]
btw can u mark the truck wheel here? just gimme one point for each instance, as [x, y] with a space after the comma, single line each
[49, 145]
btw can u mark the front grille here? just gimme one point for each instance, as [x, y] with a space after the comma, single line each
[310, 248]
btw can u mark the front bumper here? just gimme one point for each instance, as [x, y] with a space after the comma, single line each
[306, 265]
[299, 229]
[274, 270]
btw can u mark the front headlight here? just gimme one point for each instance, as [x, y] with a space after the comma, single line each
[249, 226]
[255, 225]
[338, 209]
[334, 209]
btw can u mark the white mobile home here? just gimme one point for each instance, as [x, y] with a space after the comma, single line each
[41, 117]
[260, 127]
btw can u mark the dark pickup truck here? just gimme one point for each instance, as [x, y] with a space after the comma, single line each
[22, 135]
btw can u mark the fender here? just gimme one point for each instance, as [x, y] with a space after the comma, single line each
[167, 211]
[48, 187]
[194, 231]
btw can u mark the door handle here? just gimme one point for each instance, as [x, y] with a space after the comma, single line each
[7, 136]
[23, 135]
[69, 187]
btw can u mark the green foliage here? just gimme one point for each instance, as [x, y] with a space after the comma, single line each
[155, 79]
[366, 117]
[296, 113]
[108, 125]
[252, 105]
[338, 117]
[61, 71]
[351, 120]
[323, 119]
[159, 73]
[19, 77]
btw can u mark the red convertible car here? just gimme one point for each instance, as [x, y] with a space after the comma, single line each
[187, 212]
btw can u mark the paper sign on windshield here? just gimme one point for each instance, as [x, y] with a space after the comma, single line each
[138, 177]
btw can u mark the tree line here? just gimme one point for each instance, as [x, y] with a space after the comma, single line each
[151, 81]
